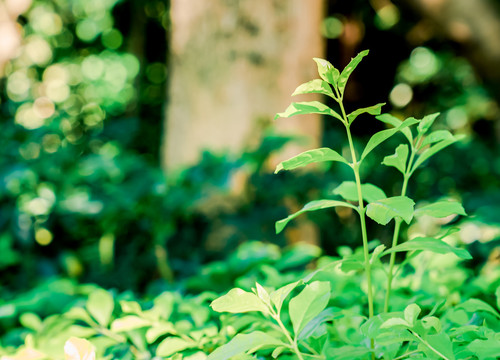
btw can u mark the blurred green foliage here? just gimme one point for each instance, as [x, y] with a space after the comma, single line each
[81, 192]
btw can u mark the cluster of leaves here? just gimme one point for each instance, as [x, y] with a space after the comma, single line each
[396, 335]
[321, 310]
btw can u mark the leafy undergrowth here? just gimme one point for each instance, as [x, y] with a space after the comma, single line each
[438, 303]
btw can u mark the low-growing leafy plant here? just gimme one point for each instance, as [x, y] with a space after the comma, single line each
[304, 329]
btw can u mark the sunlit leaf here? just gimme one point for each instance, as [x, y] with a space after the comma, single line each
[79, 349]
[398, 159]
[238, 301]
[411, 313]
[426, 123]
[312, 206]
[437, 136]
[100, 305]
[441, 209]
[327, 71]
[344, 76]
[314, 86]
[383, 135]
[241, 343]
[430, 244]
[440, 342]
[279, 295]
[395, 122]
[309, 303]
[129, 322]
[349, 191]
[426, 154]
[308, 107]
[310, 156]
[372, 110]
[172, 345]
[392, 322]
[384, 210]
[475, 305]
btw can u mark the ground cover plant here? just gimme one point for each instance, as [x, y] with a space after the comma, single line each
[307, 328]
[295, 303]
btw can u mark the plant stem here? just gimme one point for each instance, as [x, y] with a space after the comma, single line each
[429, 345]
[397, 227]
[362, 217]
[292, 342]
[366, 253]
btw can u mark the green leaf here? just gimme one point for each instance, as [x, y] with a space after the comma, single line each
[312, 206]
[349, 191]
[327, 71]
[441, 209]
[426, 154]
[429, 244]
[129, 322]
[394, 121]
[159, 329]
[437, 136]
[344, 76]
[242, 343]
[432, 322]
[238, 301]
[348, 352]
[485, 349]
[372, 110]
[279, 295]
[377, 253]
[172, 345]
[100, 305]
[475, 305]
[308, 304]
[326, 315]
[316, 86]
[497, 293]
[398, 159]
[384, 210]
[411, 313]
[308, 107]
[392, 322]
[262, 294]
[383, 135]
[310, 156]
[426, 123]
[442, 343]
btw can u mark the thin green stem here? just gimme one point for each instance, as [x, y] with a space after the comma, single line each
[429, 346]
[293, 342]
[362, 216]
[395, 236]
[407, 354]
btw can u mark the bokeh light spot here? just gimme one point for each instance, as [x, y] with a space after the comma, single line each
[156, 73]
[387, 17]
[38, 50]
[43, 107]
[26, 116]
[112, 39]
[332, 27]
[87, 30]
[401, 95]
[456, 118]
[92, 67]
[43, 236]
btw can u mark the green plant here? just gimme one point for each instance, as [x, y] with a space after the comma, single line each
[307, 310]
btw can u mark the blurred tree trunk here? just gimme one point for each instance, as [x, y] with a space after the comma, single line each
[233, 65]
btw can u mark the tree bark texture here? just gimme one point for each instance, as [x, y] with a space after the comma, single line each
[233, 64]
